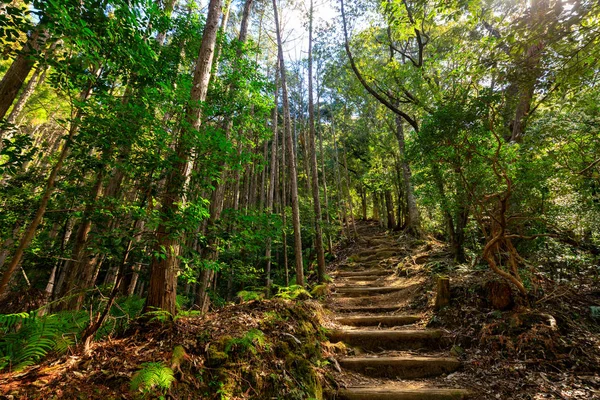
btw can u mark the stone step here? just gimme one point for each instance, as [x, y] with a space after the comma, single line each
[358, 291]
[378, 320]
[369, 309]
[375, 340]
[400, 367]
[355, 284]
[362, 277]
[392, 393]
[369, 272]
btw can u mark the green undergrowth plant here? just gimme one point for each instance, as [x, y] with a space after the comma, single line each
[163, 316]
[251, 341]
[26, 338]
[153, 379]
[250, 295]
[291, 292]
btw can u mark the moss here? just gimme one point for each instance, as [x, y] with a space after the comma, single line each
[216, 355]
[320, 290]
[306, 328]
[305, 375]
[281, 363]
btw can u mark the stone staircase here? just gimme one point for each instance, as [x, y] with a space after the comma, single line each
[383, 340]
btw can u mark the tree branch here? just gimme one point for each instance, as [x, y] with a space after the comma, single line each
[365, 84]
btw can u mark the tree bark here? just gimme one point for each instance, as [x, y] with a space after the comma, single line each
[324, 180]
[340, 193]
[26, 94]
[389, 206]
[375, 207]
[350, 201]
[531, 71]
[284, 204]
[20, 68]
[78, 271]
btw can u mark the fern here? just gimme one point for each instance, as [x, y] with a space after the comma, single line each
[250, 341]
[154, 376]
[62, 344]
[189, 313]
[292, 292]
[25, 339]
[159, 316]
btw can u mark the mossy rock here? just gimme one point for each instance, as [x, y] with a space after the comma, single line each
[215, 357]
[215, 354]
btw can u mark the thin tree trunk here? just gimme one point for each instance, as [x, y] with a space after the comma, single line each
[350, 201]
[292, 157]
[340, 196]
[413, 220]
[284, 206]
[273, 175]
[531, 70]
[263, 176]
[26, 94]
[389, 206]
[167, 10]
[375, 207]
[78, 271]
[324, 180]
[313, 159]
[218, 195]
[363, 202]
[402, 209]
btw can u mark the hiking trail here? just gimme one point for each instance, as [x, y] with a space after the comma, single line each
[393, 355]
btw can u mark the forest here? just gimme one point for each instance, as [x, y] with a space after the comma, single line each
[300, 199]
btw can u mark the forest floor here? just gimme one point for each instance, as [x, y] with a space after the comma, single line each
[278, 348]
[546, 347]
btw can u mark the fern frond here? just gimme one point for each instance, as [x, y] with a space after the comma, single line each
[153, 375]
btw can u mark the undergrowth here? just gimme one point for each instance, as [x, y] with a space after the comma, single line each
[27, 337]
[154, 378]
[268, 348]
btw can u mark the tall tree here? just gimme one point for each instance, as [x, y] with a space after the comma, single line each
[218, 194]
[290, 153]
[313, 155]
[163, 277]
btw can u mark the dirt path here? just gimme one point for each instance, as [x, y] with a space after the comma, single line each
[391, 354]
